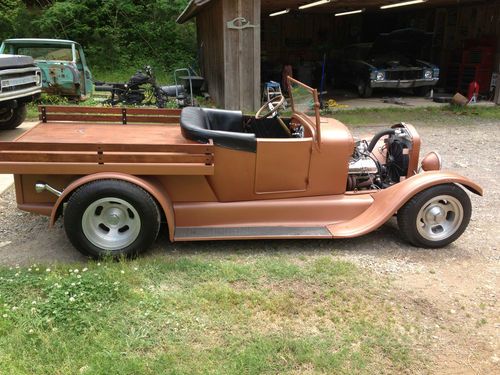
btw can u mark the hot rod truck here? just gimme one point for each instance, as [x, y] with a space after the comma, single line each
[213, 174]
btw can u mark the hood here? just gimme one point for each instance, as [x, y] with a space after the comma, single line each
[15, 61]
[405, 42]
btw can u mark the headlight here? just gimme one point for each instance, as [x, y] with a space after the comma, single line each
[428, 74]
[38, 79]
[380, 76]
[432, 162]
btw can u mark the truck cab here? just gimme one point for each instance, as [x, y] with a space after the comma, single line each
[62, 62]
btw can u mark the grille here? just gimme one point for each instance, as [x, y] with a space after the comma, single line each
[404, 74]
[6, 76]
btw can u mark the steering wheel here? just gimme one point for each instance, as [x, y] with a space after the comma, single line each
[270, 108]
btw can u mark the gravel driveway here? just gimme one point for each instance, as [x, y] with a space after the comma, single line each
[451, 293]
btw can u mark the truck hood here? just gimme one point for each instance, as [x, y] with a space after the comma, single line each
[405, 44]
[15, 61]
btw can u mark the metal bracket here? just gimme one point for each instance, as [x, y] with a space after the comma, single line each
[43, 111]
[240, 23]
[124, 116]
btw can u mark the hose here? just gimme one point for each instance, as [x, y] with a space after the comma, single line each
[377, 137]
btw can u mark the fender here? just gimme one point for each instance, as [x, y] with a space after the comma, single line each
[150, 185]
[388, 201]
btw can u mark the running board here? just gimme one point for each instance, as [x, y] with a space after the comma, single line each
[248, 233]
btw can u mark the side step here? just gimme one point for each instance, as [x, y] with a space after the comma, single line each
[248, 233]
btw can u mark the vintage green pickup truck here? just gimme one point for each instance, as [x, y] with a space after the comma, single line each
[62, 62]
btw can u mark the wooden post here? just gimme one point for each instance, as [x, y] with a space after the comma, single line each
[242, 54]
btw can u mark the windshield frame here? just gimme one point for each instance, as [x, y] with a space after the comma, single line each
[314, 121]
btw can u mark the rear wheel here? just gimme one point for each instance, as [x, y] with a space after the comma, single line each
[12, 118]
[435, 217]
[111, 218]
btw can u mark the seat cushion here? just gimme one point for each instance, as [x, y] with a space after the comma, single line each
[201, 125]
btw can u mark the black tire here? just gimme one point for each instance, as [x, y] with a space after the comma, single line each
[106, 200]
[364, 89]
[408, 216]
[421, 91]
[12, 118]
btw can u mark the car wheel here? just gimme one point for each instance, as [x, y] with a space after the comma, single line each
[364, 89]
[421, 91]
[435, 217]
[12, 118]
[111, 218]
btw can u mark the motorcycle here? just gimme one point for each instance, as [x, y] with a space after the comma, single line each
[142, 89]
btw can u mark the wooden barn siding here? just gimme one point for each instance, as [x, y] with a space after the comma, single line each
[242, 56]
[210, 25]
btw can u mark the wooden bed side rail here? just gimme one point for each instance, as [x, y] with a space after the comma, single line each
[120, 115]
[30, 152]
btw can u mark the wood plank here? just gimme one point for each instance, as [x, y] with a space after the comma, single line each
[107, 118]
[37, 157]
[108, 147]
[169, 112]
[160, 169]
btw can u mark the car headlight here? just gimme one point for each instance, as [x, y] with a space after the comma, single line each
[428, 74]
[38, 79]
[380, 76]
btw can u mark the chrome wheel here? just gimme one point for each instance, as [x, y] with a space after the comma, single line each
[440, 217]
[111, 223]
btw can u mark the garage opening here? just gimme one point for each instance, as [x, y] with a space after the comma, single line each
[361, 48]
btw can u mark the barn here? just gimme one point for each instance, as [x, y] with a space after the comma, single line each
[243, 43]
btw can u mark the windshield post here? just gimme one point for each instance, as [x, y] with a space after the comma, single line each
[305, 99]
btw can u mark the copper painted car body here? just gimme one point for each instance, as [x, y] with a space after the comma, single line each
[221, 175]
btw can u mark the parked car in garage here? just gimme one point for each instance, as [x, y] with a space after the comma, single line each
[20, 83]
[391, 62]
[62, 62]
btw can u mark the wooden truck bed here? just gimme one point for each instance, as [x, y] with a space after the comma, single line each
[83, 140]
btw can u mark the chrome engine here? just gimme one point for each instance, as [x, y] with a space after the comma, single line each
[366, 171]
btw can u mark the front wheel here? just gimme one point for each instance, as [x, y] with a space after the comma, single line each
[435, 217]
[364, 89]
[111, 218]
[12, 118]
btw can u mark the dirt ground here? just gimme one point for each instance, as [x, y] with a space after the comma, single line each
[449, 294]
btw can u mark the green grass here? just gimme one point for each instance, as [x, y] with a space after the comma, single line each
[199, 315]
[443, 114]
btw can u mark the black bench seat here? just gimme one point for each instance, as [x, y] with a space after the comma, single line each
[225, 128]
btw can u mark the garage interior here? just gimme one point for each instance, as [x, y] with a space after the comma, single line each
[464, 43]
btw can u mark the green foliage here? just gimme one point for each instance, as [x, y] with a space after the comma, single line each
[11, 15]
[116, 34]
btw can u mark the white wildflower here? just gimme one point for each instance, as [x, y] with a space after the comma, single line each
[71, 299]
[5, 315]
[30, 331]
[33, 302]
[85, 269]
[122, 271]
[47, 270]
[78, 276]
[76, 270]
